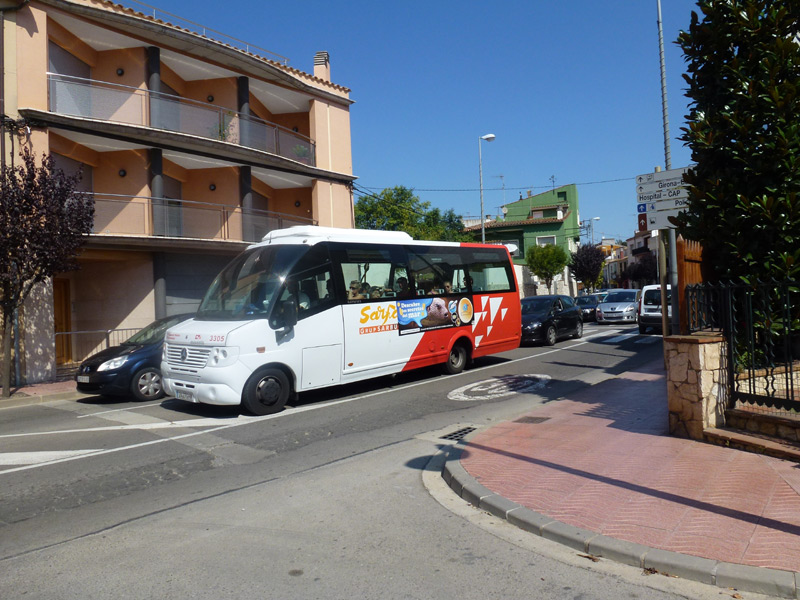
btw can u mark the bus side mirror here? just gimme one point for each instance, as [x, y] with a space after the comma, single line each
[289, 313]
[286, 320]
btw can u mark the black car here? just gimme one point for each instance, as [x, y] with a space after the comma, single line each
[548, 318]
[130, 369]
[587, 305]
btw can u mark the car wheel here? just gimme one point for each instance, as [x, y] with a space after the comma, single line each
[266, 392]
[550, 336]
[578, 330]
[457, 360]
[146, 384]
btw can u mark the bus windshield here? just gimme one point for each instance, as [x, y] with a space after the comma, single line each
[248, 287]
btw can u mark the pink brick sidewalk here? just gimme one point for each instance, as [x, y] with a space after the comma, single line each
[602, 461]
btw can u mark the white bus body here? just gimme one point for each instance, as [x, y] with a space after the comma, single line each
[279, 319]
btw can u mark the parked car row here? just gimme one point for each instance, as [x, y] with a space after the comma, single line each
[133, 368]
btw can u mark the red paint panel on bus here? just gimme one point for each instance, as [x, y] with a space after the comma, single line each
[495, 327]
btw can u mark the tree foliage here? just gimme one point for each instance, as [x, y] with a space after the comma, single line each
[744, 132]
[398, 209]
[43, 223]
[587, 264]
[644, 271]
[546, 262]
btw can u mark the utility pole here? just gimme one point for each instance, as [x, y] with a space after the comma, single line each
[670, 233]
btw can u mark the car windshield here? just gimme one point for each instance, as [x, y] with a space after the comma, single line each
[626, 296]
[248, 287]
[536, 305]
[586, 300]
[154, 332]
[653, 297]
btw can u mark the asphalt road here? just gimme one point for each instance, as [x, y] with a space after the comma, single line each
[328, 499]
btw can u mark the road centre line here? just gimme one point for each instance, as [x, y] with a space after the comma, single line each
[244, 420]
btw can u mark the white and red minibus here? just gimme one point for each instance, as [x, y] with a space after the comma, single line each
[310, 307]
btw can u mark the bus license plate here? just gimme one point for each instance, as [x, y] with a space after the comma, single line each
[83, 379]
[181, 395]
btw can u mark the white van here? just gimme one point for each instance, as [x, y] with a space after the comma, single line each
[650, 307]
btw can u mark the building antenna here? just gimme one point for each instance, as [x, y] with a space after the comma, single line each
[553, 181]
[503, 184]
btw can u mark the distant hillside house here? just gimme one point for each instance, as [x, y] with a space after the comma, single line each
[547, 218]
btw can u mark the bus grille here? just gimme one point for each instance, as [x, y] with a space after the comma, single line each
[187, 356]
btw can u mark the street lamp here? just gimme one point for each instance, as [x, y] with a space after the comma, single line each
[488, 137]
[591, 223]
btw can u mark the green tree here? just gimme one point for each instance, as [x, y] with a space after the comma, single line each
[398, 209]
[546, 262]
[587, 264]
[744, 132]
[43, 224]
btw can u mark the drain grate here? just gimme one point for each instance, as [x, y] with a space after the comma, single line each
[459, 434]
[532, 420]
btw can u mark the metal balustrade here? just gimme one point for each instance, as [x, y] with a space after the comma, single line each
[105, 101]
[167, 217]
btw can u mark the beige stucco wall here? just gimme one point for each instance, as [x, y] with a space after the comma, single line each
[333, 205]
[31, 55]
[112, 290]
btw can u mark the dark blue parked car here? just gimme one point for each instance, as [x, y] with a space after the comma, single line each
[550, 318]
[132, 368]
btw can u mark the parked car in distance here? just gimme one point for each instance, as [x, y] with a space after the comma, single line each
[587, 305]
[618, 307]
[650, 307]
[549, 318]
[131, 369]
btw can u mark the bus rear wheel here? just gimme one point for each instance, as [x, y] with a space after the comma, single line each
[457, 359]
[266, 392]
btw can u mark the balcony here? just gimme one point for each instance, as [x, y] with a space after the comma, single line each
[640, 250]
[143, 216]
[103, 101]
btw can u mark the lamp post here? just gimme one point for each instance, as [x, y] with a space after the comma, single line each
[488, 137]
[591, 222]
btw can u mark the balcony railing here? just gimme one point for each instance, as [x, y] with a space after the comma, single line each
[167, 217]
[134, 106]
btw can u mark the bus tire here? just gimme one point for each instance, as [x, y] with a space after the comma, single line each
[266, 392]
[457, 359]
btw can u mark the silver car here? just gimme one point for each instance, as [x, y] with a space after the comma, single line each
[618, 307]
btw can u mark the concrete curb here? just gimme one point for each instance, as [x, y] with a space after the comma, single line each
[773, 582]
[18, 400]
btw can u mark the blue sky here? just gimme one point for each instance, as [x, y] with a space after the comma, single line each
[571, 89]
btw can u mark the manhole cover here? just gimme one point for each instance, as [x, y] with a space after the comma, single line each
[499, 387]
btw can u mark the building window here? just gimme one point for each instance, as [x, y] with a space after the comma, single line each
[548, 240]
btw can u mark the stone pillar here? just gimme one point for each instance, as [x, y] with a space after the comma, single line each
[697, 383]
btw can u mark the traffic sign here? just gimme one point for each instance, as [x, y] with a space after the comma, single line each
[659, 196]
[661, 175]
[660, 220]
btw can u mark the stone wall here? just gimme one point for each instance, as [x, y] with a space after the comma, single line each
[697, 383]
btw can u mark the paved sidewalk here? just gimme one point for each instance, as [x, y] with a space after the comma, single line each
[599, 472]
[41, 392]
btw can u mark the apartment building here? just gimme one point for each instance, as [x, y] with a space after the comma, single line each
[193, 145]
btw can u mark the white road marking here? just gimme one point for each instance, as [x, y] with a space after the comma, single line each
[500, 387]
[648, 340]
[32, 458]
[244, 420]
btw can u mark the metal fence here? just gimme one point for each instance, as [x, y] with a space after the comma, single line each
[73, 347]
[134, 106]
[761, 325]
[116, 214]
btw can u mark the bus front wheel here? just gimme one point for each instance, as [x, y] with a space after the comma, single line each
[457, 360]
[266, 392]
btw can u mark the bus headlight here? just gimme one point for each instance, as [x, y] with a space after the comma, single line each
[222, 356]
